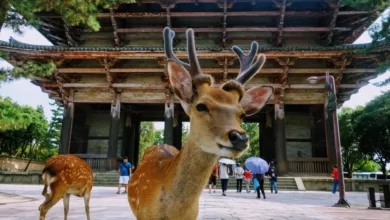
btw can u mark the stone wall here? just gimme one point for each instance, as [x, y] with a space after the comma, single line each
[358, 185]
[13, 164]
[298, 134]
[21, 177]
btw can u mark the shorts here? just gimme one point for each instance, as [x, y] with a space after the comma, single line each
[124, 179]
[213, 180]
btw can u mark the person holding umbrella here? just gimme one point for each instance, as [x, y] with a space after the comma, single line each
[258, 167]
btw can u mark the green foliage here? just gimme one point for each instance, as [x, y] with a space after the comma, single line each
[147, 134]
[373, 130]
[158, 137]
[74, 12]
[353, 158]
[254, 151]
[28, 70]
[25, 133]
[367, 166]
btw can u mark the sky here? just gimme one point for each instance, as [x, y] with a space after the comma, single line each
[25, 93]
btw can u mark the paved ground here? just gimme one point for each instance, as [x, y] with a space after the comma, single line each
[22, 202]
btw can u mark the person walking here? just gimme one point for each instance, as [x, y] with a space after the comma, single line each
[273, 181]
[213, 178]
[223, 175]
[335, 175]
[124, 173]
[239, 172]
[247, 180]
[260, 178]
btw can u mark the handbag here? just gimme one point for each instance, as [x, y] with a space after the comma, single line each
[256, 183]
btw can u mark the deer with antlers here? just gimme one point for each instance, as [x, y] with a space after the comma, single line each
[65, 175]
[168, 183]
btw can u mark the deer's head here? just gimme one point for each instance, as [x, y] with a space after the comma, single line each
[216, 113]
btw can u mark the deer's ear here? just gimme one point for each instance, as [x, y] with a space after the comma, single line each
[181, 82]
[255, 99]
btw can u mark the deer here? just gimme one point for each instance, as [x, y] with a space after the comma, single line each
[168, 183]
[65, 175]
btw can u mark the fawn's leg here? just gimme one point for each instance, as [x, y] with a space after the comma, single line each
[66, 205]
[87, 196]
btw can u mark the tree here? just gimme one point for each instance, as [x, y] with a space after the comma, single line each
[353, 158]
[25, 133]
[158, 137]
[252, 130]
[17, 13]
[146, 139]
[373, 130]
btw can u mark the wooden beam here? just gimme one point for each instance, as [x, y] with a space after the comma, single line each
[235, 29]
[279, 38]
[358, 31]
[117, 41]
[220, 14]
[69, 38]
[162, 86]
[216, 70]
[332, 24]
[203, 54]
[114, 130]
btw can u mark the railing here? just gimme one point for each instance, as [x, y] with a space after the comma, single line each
[308, 165]
[97, 162]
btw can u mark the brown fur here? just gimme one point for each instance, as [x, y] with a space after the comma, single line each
[65, 175]
[167, 184]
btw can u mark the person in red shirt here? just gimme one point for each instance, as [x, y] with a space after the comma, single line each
[213, 178]
[335, 175]
[247, 179]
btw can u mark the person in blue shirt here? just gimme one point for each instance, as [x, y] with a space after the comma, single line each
[124, 173]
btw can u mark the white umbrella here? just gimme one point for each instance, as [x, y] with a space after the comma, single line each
[227, 161]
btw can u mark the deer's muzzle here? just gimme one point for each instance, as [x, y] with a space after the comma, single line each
[239, 141]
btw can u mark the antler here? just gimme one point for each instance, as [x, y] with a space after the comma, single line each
[247, 69]
[193, 67]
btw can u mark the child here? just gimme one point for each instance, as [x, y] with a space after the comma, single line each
[247, 179]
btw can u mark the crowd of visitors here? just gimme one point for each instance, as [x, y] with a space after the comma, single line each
[243, 175]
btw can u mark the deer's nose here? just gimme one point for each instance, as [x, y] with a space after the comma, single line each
[238, 140]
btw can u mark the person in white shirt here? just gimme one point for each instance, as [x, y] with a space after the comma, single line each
[223, 175]
[239, 174]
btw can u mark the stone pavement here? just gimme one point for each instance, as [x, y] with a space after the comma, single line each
[22, 202]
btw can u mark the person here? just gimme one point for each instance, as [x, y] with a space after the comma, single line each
[124, 173]
[223, 175]
[247, 179]
[273, 181]
[335, 175]
[260, 178]
[213, 178]
[238, 172]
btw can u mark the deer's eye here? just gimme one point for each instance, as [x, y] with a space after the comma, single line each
[202, 108]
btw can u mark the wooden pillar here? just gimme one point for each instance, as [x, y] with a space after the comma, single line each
[66, 130]
[137, 133]
[126, 135]
[267, 143]
[280, 141]
[112, 153]
[168, 121]
[177, 131]
[132, 139]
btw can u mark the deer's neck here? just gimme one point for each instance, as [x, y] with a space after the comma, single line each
[194, 167]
